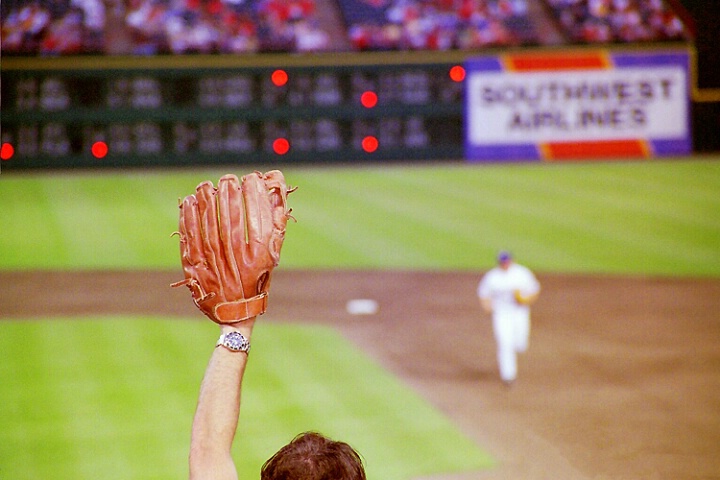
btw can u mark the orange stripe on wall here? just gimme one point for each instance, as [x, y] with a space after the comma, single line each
[557, 61]
[600, 149]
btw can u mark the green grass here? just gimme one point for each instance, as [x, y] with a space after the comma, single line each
[654, 218]
[114, 399]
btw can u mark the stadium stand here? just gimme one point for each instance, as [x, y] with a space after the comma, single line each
[163, 26]
[437, 25]
[604, 21]
[148, 27]
[51, 27]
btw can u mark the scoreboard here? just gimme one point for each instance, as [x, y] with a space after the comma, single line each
[201, 110]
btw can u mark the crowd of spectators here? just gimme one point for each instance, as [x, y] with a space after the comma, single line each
[291, 26]
[436, 24]
[604, 21]
[52, 27]
[224, 26]
[190, 26]
[161, 26]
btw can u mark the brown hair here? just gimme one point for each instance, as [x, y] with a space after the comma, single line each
[312, 456]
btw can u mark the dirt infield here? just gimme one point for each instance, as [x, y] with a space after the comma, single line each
[622, 379]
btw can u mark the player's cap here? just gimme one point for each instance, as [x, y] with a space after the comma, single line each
[504, 256]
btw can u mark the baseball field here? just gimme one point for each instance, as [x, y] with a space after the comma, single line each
[101, 360]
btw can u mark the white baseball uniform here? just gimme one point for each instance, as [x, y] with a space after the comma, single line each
[511, 320]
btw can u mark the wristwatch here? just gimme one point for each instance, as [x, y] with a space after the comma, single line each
[234, 341]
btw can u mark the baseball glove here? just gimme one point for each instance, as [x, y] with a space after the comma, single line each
[230, 241]
[523, 299]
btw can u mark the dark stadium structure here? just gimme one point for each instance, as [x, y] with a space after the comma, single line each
[188, 81]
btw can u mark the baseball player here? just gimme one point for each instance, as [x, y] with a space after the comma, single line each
[506, 292]
[230, 241]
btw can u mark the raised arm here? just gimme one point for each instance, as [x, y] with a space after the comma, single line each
[230, 241]
[218, 408]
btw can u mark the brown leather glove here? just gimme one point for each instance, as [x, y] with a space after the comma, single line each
[230, 241]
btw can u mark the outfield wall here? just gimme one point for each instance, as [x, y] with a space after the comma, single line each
[369, 107]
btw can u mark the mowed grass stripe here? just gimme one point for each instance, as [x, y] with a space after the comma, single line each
[493, 212]
[598, 221]
[480, 209]
[24, 207]
[601, 226]
[370, 216]
[32, 426]
[347, 224]
[109, 407]
[113, 398]
[116, 220]
[445, 223]
[605, 212]
[657, 194]
[623, 217]
[114, 212]
[650, 224]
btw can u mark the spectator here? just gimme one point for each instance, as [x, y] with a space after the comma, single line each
[591, 21]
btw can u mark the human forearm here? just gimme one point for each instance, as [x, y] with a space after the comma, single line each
[216, 416]
[486, 304]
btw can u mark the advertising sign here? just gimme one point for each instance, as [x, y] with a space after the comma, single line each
[577, 104]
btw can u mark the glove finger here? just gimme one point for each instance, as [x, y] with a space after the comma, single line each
[191, 249]
[277, 188]
[232, 230]
[258, 214]
[208, 228]
[277, 192]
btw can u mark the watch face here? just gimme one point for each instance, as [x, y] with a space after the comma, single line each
[236, 341]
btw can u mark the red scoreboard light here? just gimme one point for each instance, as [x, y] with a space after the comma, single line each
[281, 146]
[6, 151]
[279, 77]
[99, 149]
[457, 73]
[368, 99]
[370, 144]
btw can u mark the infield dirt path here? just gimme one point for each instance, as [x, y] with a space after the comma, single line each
[622, 379]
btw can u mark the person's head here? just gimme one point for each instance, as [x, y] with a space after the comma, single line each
[311, 456]
[504, 259]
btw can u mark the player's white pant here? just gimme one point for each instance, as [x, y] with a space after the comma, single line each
[512, 333]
